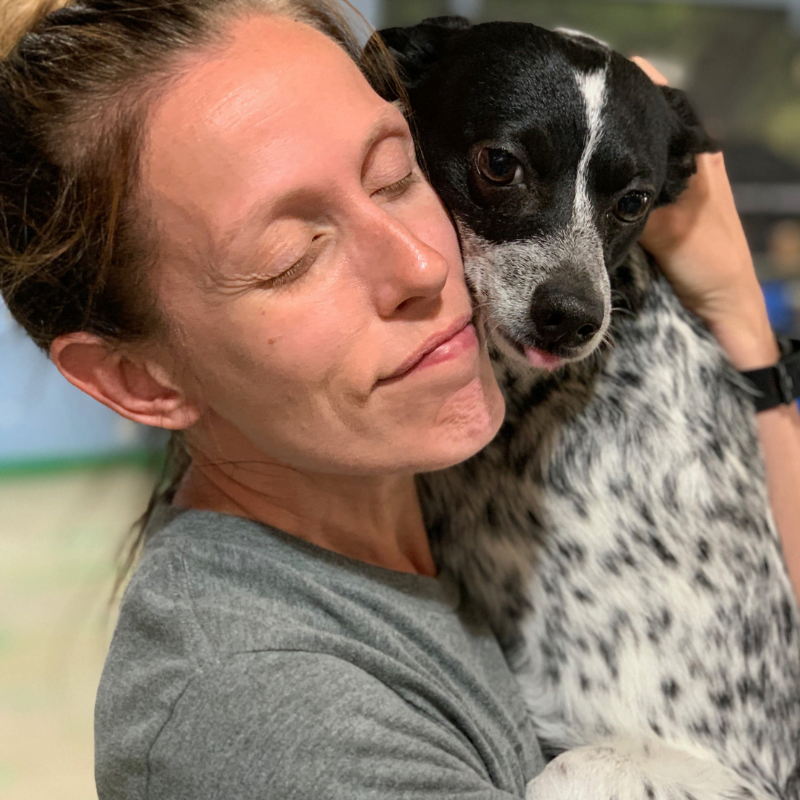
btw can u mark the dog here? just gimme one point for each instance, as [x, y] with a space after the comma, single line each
[617, 532]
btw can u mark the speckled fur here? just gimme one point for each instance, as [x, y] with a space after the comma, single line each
[661, 605]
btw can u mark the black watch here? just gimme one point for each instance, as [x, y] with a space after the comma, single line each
[779, 383]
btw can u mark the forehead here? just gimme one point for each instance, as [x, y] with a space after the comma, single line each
[278, 97]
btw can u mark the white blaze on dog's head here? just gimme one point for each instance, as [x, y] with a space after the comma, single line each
[592, 86]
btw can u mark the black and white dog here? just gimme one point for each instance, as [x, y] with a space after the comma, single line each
[620, 519]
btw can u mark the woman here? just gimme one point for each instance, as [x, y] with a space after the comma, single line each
[215, 226]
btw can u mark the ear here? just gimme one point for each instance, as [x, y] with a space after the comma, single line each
[688, 138]
[417, 48]
[137, 388]
[585, 39]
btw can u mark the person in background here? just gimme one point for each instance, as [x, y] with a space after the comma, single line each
[215, 226]
[782, 289]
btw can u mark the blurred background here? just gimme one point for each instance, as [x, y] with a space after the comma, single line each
[74, 476]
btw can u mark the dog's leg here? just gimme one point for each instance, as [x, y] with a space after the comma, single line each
[622, 769]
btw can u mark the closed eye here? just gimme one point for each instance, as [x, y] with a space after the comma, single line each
[400, 186]
[296, 270]
[303, 264]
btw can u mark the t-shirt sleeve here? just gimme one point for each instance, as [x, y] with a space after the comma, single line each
[297, 726]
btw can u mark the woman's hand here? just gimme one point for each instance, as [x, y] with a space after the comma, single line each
[699, 243]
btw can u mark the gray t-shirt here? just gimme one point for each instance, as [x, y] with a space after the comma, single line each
[248, 663]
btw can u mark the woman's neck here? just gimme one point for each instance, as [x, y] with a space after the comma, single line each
[374, 519]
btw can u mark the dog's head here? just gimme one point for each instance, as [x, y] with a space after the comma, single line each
[550, 150]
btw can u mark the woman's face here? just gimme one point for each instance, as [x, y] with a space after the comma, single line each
[306, 264]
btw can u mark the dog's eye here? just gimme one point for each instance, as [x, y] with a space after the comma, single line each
[500, 167]
[633, 206]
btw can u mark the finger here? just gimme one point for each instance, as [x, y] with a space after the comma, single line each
[650, 70]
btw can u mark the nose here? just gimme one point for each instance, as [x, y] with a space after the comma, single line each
[565, 315]
[403, 266]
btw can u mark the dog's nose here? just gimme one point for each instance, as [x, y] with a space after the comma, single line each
[563, 315]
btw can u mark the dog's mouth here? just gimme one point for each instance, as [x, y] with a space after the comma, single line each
[541, 359]
[535, 356]
[548, 360]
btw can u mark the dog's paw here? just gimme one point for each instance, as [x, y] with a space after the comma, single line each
[628, 770]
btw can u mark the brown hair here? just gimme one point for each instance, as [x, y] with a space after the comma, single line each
[76, 82]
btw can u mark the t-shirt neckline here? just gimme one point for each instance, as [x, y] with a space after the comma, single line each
[441, 589]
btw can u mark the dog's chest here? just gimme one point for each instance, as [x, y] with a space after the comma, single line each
[661, 601]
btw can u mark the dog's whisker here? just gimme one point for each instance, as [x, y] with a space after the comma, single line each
[622, 310]
[608, 339]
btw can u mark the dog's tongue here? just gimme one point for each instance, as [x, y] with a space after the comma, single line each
[542, 360]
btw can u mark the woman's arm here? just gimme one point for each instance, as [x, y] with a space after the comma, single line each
[700, 244]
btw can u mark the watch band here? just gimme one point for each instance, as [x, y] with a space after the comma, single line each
[779, 383]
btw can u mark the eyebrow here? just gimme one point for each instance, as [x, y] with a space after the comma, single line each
[383, 127]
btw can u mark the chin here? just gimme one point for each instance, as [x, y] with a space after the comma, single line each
[466, 423]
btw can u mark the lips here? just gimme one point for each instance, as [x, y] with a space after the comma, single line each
[432, 350]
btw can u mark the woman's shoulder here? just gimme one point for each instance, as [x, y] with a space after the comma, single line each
[212, 586]
[236, 585]
[210, 594]
[227, 620]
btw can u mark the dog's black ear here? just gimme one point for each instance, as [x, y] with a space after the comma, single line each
[688, 138]
[417, 48]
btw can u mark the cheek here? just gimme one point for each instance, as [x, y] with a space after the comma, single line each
[279, 354]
